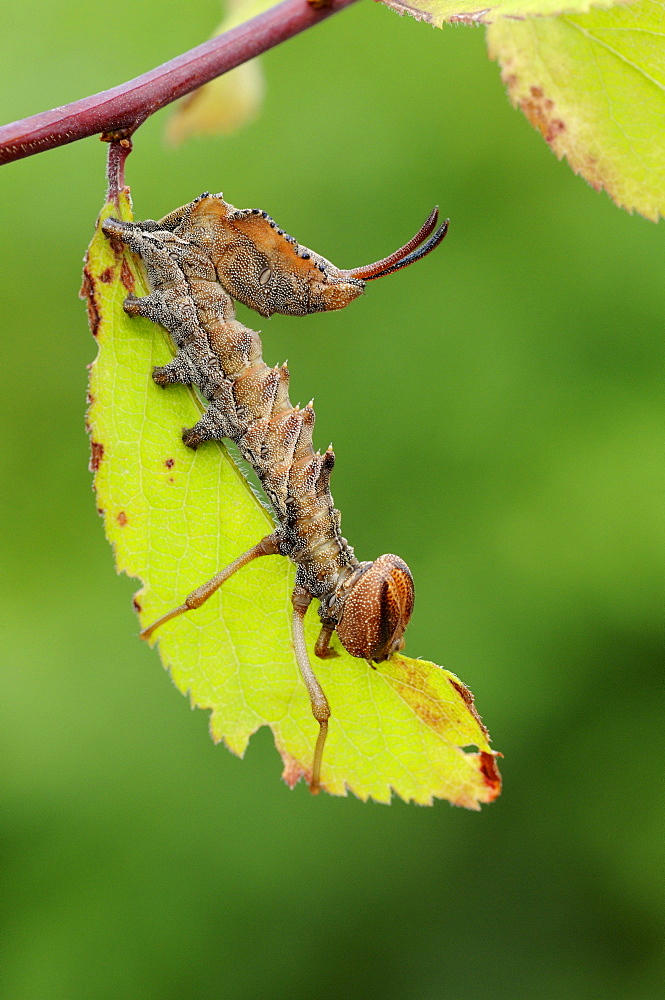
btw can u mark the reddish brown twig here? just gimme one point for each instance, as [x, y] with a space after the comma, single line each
[119, 150]
[122, 109]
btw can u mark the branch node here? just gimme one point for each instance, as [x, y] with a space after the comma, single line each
[121, 135]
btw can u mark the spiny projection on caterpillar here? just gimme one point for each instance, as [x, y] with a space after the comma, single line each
[199, 259]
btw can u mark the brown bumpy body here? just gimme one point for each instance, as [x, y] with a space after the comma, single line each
[198, 260]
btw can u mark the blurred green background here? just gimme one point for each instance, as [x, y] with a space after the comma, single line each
[496, 413]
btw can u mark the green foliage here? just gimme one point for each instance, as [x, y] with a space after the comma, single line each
[175, 517]
[591, 80]
[522, 441]
[594, 84]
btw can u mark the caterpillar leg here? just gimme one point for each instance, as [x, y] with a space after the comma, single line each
[320, 707]
[180, 322]
[268, 546]
[213, 425]
[121, 230]
[176, 313]
[148, 306]
[322, 648]
[162, 269]
[177, 371]
[155, 308]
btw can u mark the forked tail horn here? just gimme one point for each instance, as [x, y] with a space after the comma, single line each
[408, 254]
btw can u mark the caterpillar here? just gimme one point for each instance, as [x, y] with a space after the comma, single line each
[199, 259]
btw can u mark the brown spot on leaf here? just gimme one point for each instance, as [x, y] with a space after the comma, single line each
[412, 687]
[86, 283]
[169, 463]
[462, 691]
[468, 700]
[555, 129]
[491, 774]
[121, 518]
[137, 606]
[126, 276]
[539, 110]
[87, 293]
[116, 245]
[96, 455]
[101, 511]
[89, 397]
[106, 276]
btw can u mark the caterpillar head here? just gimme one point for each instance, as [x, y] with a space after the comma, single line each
[376, 608]
[261, 266]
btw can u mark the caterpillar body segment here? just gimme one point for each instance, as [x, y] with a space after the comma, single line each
[198, 259]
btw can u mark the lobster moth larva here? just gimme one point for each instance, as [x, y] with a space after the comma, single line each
[199, 259]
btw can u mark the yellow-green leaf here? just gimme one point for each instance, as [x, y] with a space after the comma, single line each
[595, 87]
[229, 101]
[440, 12]
[175, 516]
